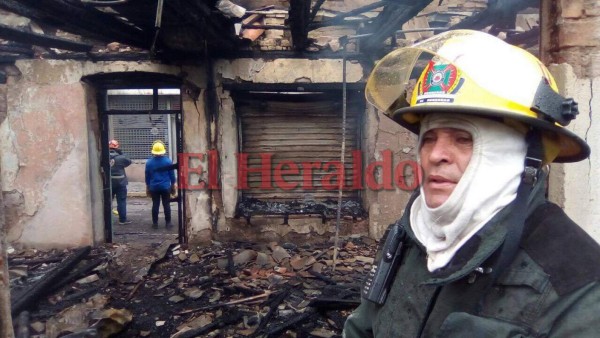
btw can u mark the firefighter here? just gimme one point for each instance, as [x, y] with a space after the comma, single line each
[118, 179]
[484, 253]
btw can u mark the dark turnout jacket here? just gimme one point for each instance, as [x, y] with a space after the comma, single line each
[550, 289]
[118, 163]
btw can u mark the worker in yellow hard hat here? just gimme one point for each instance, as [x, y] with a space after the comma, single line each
[160, 182]
[479, 251]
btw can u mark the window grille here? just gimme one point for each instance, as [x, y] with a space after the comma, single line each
[129, 102]
[136, 133]
[142, 102]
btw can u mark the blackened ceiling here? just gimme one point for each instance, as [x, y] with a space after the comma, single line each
[194, 29]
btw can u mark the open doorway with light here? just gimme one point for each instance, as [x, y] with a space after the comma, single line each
[133, 121]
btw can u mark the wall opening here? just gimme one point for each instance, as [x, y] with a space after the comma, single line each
[136, 118]
[289, 153]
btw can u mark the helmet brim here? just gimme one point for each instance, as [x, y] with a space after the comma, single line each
[572, 147]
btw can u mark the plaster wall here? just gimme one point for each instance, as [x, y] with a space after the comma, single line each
[382, 134]
[571, 40]
[288, 70]
[50, 152]
[196, 140]
[574, 186]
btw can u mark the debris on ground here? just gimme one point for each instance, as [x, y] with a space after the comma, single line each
[170, 290]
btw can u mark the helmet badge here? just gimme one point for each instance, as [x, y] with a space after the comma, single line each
[439, 83]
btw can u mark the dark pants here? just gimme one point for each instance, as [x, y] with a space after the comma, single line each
[120, 191]
[157, 196]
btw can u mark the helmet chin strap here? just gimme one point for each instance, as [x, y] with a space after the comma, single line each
[524, 203]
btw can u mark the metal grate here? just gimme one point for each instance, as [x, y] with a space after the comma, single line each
[169, 102]
[136, 133]
[129, 102]
[142, 102]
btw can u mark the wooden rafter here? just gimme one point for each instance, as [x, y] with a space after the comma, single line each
[500, 13]
[315, 9]
[299, 17]
[341, 17]
[83, 21]
[20, 35]
[391, 19]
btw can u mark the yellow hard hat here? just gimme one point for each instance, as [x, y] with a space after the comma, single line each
[472, 72]
[158, 148]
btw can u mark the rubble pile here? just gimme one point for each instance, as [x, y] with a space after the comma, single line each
[168, 290]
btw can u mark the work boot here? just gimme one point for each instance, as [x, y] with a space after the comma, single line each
[154, 225]
[125, 222]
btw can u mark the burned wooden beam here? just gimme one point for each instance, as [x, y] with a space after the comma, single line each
[298, 20]
[209, 26]
[218, 323]
[77, 273]
[44, 285]
[243, 289]
[341, 17]
[529, 38]
[79, 20]
[501, 13]
[233, 302]
[392, 18]
[315, 9]
[276, 331]
[322, 277]
[230, 265]
[281, 296]
[328, 303]
[81, 294]
[20, 35]
[16, 48]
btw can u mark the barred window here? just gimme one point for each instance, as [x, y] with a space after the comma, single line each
[136, 133]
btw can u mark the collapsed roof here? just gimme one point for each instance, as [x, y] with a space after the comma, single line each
[192, 29]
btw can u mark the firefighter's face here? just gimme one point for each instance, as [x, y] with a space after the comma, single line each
[444, 154]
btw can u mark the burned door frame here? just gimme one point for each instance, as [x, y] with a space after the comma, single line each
[154, 82]
[333, 92]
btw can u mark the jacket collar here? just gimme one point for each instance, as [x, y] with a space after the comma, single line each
[474, 252]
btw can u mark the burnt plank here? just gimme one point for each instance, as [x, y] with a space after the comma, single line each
[328, 303]
[296, 320]
[299, 17]
[338, 19]
[81, 20]
[393, 16]
[20, 35]
[44, 285]
[500, 13]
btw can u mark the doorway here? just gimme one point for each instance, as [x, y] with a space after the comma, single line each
[136, 118]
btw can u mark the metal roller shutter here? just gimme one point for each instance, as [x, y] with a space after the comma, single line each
[299, 129]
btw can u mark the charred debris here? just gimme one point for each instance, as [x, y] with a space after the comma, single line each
[327, 209]
[169, 290]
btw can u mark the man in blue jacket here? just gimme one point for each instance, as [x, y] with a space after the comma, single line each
[160, 182]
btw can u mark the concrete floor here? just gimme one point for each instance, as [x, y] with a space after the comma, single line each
[139, 211]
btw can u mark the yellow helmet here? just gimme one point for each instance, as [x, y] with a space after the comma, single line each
[472, 72]
[158, 148]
